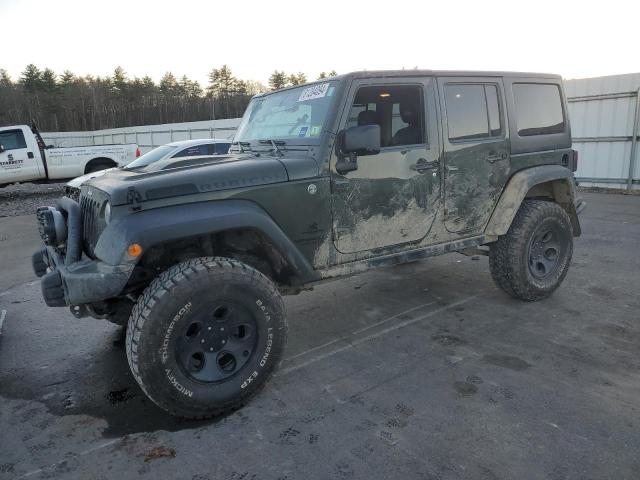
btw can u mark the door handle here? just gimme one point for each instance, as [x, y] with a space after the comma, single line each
[422, 166]
[496, 157]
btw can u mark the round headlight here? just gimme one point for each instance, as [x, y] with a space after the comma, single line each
[107, 212]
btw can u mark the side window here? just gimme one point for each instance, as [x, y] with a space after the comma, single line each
[193, 151]
[397, 109]
[12, 139]
[473, 111]
[538, 109]
[356, 109]
[222, 148]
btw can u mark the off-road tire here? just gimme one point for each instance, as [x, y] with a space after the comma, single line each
[509, 257]
[183, 294]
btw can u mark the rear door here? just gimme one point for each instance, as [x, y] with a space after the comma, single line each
[17, 162]
[476, 149]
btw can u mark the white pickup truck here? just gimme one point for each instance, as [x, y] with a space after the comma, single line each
[24, 157]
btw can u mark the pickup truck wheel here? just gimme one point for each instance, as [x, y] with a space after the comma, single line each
[96, 167]
[205, 336]
[532, 259]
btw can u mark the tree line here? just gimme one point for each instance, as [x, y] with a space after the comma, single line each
[69, 102]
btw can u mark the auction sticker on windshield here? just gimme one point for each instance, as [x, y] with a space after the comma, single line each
[316, 91]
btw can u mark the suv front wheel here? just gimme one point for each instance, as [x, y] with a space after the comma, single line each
[532, 259]
[205, 336]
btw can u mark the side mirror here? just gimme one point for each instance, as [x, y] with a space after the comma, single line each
[1, 148]
[354, 141]
[362, 140]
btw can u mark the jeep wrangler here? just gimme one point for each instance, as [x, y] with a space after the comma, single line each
[322, 181]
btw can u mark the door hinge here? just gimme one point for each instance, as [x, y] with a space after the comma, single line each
[134, 198]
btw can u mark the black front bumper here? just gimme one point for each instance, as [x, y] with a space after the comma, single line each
[85, 281]
[73, 279]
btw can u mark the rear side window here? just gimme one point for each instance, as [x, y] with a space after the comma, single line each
[12, 139]
[221, 148]
[473, 111]
[194, 151]
[538, 109]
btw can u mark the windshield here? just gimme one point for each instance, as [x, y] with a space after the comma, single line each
[152, 156]
[295, 114]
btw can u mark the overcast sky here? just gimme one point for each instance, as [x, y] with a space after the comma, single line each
[573, 38]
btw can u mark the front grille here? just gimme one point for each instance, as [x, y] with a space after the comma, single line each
[73, 193]
[92, 224]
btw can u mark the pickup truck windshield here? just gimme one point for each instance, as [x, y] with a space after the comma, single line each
[151, 157]
[293, 114]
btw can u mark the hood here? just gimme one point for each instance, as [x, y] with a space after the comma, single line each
[231, 172]
[79, 181]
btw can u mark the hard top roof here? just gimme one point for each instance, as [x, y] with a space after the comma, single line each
[424, 73]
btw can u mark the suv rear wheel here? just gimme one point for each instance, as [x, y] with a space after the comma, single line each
[205, 336]
[532, 259]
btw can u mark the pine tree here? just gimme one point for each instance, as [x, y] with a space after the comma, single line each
[222, 83]
[67, 78]
[31, 78]
[277, 80]
[119, 81]
[48, 80]
[168, 84]
[297, 78]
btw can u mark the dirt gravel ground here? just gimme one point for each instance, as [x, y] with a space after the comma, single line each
[25, 198]
[420, 371]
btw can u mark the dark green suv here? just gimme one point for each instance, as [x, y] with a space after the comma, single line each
[323, 180]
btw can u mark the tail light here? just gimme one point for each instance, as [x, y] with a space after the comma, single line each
[137, 152]
[573, 160]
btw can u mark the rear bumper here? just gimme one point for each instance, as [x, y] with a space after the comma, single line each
[85, 281]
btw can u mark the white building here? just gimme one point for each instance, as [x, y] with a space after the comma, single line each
[605, 125]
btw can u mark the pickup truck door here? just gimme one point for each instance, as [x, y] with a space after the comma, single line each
[393, 197]
[476, 150]
[18, 162]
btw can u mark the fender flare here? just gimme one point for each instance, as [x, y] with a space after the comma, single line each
[161, 225]
[520, 184]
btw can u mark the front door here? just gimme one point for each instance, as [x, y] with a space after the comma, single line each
[476, 150]
[16, 164]
[392, 198]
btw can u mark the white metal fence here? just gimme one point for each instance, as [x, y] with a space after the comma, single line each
[604, 114]
[148, 136]
[605, 125]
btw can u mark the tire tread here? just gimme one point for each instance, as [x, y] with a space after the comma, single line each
[159, 288]
[506, 254]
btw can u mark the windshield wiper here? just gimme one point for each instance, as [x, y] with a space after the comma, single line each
[274, 144]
